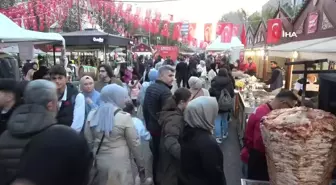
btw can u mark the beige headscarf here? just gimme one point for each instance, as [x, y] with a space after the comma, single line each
[201, 113]
[195, 87]
[82, 80]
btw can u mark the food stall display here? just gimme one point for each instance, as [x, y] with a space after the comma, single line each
[249, 96]
[300, 146]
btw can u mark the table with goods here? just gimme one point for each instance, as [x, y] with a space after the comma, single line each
[250, 94]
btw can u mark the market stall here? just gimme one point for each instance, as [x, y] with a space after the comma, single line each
[250, 94]
[299, 141]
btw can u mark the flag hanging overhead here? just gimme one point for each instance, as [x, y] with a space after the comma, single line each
[226, 35]
[207, 32]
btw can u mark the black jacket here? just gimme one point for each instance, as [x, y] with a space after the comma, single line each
[218, 84]
[181, 69]
[4, 117]
[25, 122]
[201, 158]
[171, 121]
[155, 97]
[66, 111]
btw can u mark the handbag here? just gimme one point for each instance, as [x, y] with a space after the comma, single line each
[94, 169]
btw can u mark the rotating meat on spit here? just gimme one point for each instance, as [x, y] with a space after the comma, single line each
[300, 146]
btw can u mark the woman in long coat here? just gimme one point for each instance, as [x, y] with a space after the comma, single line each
[119, 136]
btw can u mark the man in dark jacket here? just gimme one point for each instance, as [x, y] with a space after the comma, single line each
[10, 97]
[182, 73]
[155, 97]
[33, 143]
[71, 104]
[276, 80]
[42, 72]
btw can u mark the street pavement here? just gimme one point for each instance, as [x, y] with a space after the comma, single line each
[231, 152]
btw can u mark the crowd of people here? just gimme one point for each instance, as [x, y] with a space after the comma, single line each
[55, 133]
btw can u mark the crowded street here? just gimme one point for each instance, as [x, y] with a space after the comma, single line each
[167, 92]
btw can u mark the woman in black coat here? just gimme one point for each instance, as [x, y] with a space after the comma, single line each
[201, 157]
[220, 82]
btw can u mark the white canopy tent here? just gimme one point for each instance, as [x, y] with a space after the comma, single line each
[217, 45]
[307, 49]
[10, 32]
[15, 49]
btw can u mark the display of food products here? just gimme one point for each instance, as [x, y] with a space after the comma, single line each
[240, 84]
[300, 146]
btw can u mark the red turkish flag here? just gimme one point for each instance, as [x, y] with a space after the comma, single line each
[157, 15]
[148, 13]
[138, 11]
[165, 29]
[147, 24]
[120, 8]
[219, 28]
[129, 8]
[191, 31]
[274, 31]
[226, 35]
[207, 32]
[155, 26]
[235, 30]
[243, 36]
[177, 31]
[136, 21]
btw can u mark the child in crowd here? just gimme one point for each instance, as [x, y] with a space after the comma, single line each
[144, 137]
[138, 123]
[135, 87]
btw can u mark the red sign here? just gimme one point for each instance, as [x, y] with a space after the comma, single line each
[312, 22]
[274, 31]
[142, 48]
[167, 51]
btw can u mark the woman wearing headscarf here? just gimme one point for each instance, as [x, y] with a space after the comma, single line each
[213, 72]
[92, 97]
[115, 130]
[201, 156]
[196, 89]
[219, 83]
[152, 75]
[171, 121]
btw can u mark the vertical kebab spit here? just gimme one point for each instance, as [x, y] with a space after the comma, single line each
[300, 146]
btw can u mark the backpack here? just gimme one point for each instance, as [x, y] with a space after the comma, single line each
[225, 101]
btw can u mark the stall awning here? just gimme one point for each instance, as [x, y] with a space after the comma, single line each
[217, 45]
[307, 49]
[12, 33]
[328, 46]
[295, 46]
